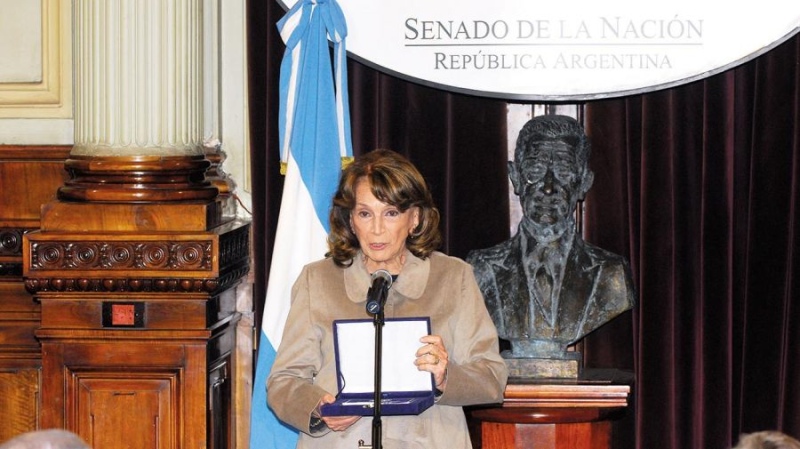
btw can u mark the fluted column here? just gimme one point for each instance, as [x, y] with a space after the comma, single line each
[138, 102]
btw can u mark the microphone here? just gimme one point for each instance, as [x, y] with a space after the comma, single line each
[376, 296]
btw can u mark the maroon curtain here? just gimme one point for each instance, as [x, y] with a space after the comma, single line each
[698, 185]
[457, 141]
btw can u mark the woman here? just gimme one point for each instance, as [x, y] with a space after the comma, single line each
[383, 218]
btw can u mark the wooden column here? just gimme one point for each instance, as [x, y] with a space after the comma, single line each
[554, 415]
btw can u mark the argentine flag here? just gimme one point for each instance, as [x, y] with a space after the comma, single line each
[314, 128]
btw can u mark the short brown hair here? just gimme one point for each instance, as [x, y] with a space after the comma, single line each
[394, 180]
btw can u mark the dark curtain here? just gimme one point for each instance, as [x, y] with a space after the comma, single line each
[698, 185]
[458, 142]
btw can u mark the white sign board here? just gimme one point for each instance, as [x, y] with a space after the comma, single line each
[562, 50]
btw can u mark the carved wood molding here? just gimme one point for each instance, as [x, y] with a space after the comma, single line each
[35, 152]
[11, 251]
[186, 263]
[11, 241]
[136, 285]
[121, 255]
[137, 179]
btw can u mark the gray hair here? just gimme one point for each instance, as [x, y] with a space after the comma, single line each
[767, 439]
[46, 439]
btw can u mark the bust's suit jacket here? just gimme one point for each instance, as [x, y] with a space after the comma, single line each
[596, 287]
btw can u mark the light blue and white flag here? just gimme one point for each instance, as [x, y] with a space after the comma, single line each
[315, 141]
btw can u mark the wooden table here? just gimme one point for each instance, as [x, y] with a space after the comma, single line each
[553, 414]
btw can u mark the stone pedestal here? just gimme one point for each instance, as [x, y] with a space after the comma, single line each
[545, 368]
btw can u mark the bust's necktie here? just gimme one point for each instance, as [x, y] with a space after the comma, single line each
[544, 288]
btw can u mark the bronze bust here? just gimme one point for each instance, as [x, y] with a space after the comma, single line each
[545, 287]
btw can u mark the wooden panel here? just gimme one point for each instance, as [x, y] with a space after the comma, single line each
[88, 313]
[576, 436]
[536, 437]
[17, 337]
[19, 317]
[111, 354]
[20, 359]
[220, 411]
[546, 436]
[123, 409]
[109, 217]
[15, 300]
[29, 177]
[19, 401]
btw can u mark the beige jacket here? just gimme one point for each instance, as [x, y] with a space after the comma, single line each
[441, 287]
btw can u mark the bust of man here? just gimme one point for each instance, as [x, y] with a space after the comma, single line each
[545, 287]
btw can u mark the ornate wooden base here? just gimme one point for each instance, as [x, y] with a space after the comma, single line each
[137, 179]
[538, 415]
[138, 321]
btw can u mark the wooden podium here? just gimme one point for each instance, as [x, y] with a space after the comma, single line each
[553, 414]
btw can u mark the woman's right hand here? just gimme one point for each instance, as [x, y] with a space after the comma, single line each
[337, 423]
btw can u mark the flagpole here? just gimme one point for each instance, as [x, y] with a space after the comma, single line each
[314, 125]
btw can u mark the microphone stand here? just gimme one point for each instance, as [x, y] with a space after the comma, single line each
[376, 308]
[377, 424]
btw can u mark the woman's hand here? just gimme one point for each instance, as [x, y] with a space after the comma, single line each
[336, 423]
[433, 358]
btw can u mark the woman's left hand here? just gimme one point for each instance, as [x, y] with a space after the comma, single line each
[432, 357]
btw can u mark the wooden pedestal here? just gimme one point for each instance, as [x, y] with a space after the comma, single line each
[556, 415]
[138, 323]
[118, 302]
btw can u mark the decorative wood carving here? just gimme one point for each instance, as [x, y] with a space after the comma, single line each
[195, 263]
[11, 241]
[121, 255]
[137, 179]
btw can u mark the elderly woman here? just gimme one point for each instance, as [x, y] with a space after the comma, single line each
[383, 218]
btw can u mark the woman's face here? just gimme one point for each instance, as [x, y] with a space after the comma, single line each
[381, 230]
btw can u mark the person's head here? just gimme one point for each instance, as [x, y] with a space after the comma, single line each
[767, 439]
[382, 206]
[550, 173]
[46, 439]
